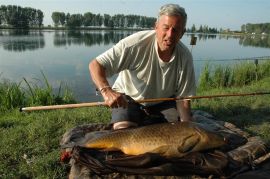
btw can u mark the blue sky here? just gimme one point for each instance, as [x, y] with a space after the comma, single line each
[214, 13]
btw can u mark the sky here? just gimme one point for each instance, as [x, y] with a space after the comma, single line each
[225, 14]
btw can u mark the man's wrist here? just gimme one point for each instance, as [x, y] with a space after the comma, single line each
[104, 88]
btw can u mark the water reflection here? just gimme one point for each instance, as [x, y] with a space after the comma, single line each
[255, 41]
[229, 36]
[89, 38]
[245, 40]
[21, 40]
[203, 37]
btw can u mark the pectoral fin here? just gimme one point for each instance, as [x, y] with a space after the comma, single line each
[160, 150]
[111, 149]
[189, 144]
[168, 151]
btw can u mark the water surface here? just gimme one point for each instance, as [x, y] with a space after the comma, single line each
[63, 56]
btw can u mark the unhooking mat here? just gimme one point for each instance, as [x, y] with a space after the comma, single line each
[244, 158]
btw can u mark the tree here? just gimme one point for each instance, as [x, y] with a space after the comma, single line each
[193, 28]
[19, 17]
[56, 18]
[67, 18]
[88, 19]
[3, 12]
[106, 20]
[98, 20]
[62, 18]
[200, 29]
[75, 20]
[40, 16]
[243, 28]
[256, 28]
[150, 22]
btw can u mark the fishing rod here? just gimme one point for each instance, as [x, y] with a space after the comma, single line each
[93, 104]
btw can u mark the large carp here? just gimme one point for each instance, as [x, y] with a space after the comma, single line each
[167, 139]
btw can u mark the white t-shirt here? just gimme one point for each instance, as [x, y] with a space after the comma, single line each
[142, 74]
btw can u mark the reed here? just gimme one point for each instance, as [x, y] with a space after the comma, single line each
[205, 78]
[238, 75]
[26, 93]
[11, 95]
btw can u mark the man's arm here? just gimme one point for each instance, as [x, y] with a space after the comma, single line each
[184, 110]
[111, 97]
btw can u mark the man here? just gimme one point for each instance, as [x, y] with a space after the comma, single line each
[151, 64]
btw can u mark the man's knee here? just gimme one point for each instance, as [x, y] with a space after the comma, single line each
[124, 124]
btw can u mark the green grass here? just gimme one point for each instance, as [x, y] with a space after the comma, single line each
[30, 141]
[239, 75]
[37, 92]
[246, 112]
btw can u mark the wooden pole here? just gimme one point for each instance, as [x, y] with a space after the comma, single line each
[92, 104]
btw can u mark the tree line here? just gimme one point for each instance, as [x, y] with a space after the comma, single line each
[20, 17]
[116, 21]
[89, 19]
[256, 28]
[25, 17]
[202, 29]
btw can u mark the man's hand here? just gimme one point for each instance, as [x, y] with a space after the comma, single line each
[113, 99]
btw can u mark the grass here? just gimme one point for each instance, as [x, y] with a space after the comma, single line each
[251, 113]
[243, 111]
[30, 141]
[37, 92]
[238, 75]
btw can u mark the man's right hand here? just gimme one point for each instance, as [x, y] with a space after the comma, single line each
[113, 99]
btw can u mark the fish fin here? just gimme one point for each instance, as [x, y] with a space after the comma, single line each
[168, 151]
[189, 144]
[162, 150]
[91, 136]
[111, 149]
[83, 139]
[95, 134]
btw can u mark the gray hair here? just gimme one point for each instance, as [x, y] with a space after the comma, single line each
[172, 10]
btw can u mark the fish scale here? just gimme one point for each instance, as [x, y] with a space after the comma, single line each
[167, 139]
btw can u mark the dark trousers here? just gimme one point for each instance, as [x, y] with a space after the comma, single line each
[144, 115]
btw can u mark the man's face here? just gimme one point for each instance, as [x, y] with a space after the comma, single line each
[169, 30]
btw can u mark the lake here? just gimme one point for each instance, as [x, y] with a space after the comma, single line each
[63, 56]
